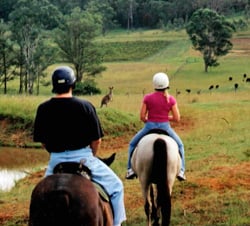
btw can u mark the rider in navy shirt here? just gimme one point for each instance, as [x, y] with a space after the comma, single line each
[69, 129]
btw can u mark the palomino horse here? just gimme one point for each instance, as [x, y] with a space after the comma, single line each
[156, 161]
[69, 199]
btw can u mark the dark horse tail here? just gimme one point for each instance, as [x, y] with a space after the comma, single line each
[160, 178]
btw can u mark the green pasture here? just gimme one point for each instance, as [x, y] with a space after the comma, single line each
[215, 127]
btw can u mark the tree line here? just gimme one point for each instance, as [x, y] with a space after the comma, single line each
[137, 13]
[37, 33]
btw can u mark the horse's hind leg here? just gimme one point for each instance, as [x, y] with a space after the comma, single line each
[151, 210]
[148, 206]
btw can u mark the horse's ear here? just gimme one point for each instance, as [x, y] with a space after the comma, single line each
[108, 161]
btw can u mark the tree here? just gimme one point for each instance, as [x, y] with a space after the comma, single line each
[6, 55]
[125, 12]
[105, 11]
[210, 34]
[75, 40]
[66, 6]
[43, 57]
[29, 19]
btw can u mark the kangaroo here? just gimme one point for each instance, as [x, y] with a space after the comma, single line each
[107, 98]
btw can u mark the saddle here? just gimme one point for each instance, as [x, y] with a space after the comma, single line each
[158, 131]
[81, 170]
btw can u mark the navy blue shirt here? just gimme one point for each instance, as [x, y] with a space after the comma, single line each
[66, 124]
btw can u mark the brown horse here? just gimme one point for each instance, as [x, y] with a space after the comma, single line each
[67, 199]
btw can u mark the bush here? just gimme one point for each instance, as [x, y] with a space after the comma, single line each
[88, 87]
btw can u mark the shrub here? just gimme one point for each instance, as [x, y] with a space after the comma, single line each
[88, 87]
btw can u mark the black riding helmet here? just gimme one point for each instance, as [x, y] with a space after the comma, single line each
[62, 79]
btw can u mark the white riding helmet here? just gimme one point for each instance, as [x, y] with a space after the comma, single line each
[160, 81]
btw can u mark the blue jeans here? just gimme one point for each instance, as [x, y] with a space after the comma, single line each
[159, 125]
[101, 174]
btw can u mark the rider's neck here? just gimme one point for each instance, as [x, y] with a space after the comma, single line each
[64, 95]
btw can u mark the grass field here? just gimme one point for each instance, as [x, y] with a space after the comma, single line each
[215, 129]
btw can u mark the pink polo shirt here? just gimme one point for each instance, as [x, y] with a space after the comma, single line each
[158, 107]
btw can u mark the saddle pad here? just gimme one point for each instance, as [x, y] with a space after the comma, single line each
[101, 192]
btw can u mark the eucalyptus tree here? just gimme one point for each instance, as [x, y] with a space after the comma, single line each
[125, 12]
[210, 34]
[6, 55]
[75, 38]
[104, 9]
[29, 19]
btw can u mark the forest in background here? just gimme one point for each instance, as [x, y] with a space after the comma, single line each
[134, 13]
[36, 34]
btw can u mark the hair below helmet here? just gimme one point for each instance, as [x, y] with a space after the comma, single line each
[62, 78]
[160, 81]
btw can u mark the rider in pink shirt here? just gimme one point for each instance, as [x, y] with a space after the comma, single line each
[157, 110]
[157, 106]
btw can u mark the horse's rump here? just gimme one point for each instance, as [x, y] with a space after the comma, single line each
[56, 213]
[54, 202]
[67, 199]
